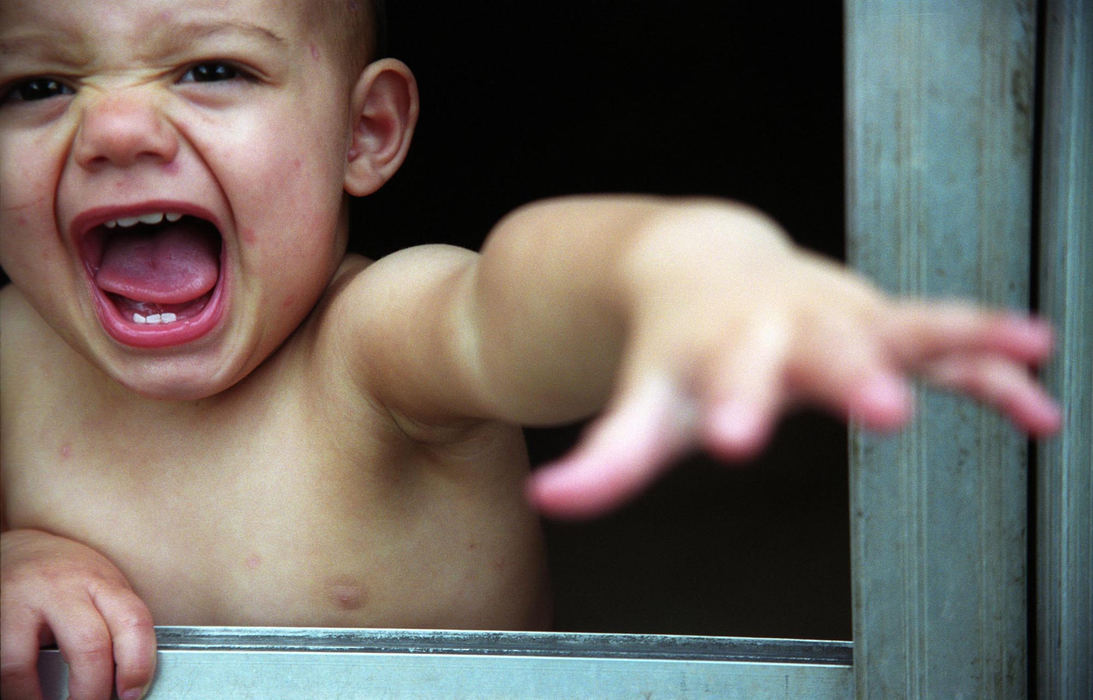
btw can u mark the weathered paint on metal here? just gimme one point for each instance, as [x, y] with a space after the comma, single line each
[325, 663]
[939, 135]
[1064, 484]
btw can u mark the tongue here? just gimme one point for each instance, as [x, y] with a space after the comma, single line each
[166, 264]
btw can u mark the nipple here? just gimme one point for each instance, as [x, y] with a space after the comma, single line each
[347, 596]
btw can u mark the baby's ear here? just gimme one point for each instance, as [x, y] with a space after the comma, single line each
[385, 109]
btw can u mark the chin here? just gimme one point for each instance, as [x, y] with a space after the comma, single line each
[174, 379]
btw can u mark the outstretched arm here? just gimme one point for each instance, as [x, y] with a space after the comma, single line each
[691, 323]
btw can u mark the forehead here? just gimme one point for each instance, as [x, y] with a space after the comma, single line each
[107, 21]
[75, 28]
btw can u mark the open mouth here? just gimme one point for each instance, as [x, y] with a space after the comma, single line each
[156, 276]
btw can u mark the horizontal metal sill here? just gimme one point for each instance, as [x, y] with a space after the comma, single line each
[553, 644]
[208, 662]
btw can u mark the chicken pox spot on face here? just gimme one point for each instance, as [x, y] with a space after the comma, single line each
[66, 451]
[315, 52]
[248, 235]
[253, 562]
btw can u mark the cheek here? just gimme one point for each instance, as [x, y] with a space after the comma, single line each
[31, 248]
[285, 189]
[28, 178]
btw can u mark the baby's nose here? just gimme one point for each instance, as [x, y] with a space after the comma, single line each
[121, 130]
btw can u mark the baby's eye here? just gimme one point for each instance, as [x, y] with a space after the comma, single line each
[211, 72]
[34, 89]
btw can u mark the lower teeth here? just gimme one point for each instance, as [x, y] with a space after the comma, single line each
[155, 318]
[150, 312]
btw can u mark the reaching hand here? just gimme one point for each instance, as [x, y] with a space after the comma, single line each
[714, 360]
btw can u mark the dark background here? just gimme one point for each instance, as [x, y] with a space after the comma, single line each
[736, 99]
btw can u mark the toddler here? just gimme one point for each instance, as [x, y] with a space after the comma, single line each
[212, 415]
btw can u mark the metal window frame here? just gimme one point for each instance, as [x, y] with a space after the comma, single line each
[335, 663]
[1064, 470]
[941, 100]
[940, 119]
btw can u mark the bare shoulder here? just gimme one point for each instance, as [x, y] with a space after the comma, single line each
[395, 300]
[395, 327]
[402, 274]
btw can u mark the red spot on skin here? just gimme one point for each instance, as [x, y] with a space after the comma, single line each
[315, 52]
[288, 303]
[66, 451]
[172, 168]
[247, 233]
[253, 562]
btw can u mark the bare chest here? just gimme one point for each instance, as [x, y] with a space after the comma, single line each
[277, 518]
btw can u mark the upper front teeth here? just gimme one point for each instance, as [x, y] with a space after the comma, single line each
[152, 219]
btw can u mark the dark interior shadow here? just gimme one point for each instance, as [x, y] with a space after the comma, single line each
[743, 100]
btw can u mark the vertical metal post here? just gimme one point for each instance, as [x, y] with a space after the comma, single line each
[939, 135]
[1064, 485]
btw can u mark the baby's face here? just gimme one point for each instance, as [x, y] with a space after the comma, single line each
[171, 179]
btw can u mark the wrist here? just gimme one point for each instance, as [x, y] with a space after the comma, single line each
[697, 241]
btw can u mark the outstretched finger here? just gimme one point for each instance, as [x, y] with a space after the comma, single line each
[917, 332]
[839, 365]
[1003, 384]
[746, 390]
[622, 453]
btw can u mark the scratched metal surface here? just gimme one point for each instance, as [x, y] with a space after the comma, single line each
[1064, 488]
[335, 663]
[940, 102]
